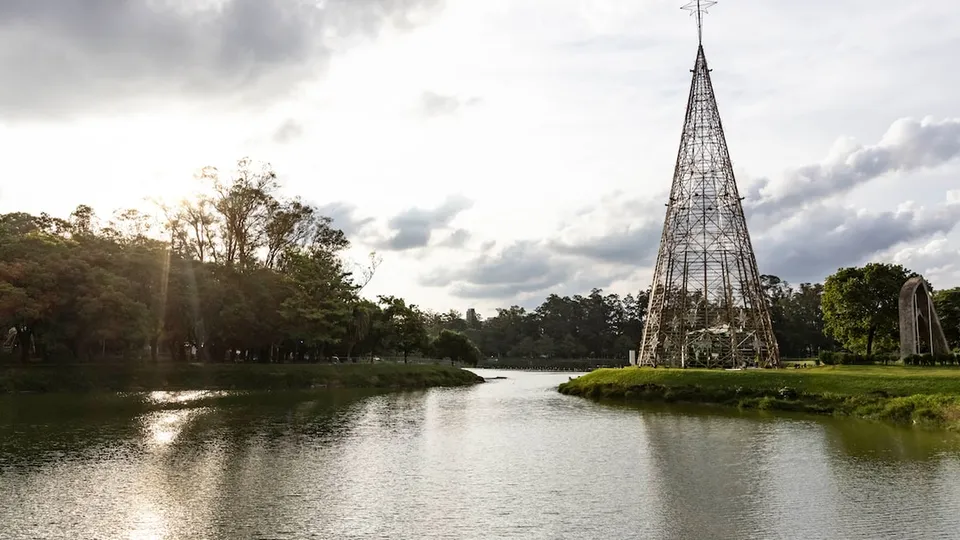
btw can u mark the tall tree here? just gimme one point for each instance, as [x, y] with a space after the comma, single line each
[947, 303]
[359, 326]
[319, 306]
[861, 306]
[244, 204]
[406, 328]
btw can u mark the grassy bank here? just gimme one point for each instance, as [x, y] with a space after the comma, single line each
[908, 395]
[166, 376]
[551, 364]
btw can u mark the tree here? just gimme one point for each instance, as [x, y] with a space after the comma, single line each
[406, 329]
[457, 347]
[319, 306]
[362, 316]
[861, 306]
[243, 273]
[947, 303]
[796, 316]
[243, 205]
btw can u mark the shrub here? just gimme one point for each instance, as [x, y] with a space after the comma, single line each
[788, 393]
[766, 403]
[931, 360]
[833, 358]
[886, 358]
[457, 347]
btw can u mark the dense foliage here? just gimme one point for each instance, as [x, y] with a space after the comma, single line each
[241, 273]
[861, 306]
[947, 303]
[861, 310]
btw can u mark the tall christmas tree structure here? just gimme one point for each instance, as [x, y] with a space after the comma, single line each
[706, 308]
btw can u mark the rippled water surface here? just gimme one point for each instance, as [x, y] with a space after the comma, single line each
[507, 459]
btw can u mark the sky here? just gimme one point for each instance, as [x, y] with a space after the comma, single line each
[495, 152]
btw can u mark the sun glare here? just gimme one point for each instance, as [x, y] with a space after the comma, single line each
[162, 428]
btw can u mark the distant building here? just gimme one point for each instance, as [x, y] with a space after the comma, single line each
[472, 317]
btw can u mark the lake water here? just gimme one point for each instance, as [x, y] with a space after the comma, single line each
[507, 459]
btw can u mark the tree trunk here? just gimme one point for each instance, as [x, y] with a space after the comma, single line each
[177, 354]
[870, 334]
[23, 342]
[404, 357]
[213, 353]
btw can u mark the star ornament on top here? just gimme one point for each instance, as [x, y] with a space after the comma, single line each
[699, 8]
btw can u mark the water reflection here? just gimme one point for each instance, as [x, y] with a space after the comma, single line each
[875, 441]
[508, 459]
[183, 396]
[161, 428]
[706, 475]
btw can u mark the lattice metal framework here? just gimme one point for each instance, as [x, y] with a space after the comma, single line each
[706, 308]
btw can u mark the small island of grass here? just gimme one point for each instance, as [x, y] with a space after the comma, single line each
[902, 394]
[177, 376]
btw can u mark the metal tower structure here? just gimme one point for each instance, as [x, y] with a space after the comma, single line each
[706, 307]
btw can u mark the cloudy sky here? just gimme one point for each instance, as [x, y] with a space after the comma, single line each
[496, 151]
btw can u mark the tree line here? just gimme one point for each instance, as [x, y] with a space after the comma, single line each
[242, 273]
[237, 274]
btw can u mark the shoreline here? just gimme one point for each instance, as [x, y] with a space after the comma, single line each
[165, 376]
[923, 397]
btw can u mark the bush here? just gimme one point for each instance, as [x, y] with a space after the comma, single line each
[457, 347]
[834, 358]
[827, 358]
[931, 360]
[788, 393]
[886, 358]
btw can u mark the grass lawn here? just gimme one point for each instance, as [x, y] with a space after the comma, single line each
[919, 395]
[841, 380]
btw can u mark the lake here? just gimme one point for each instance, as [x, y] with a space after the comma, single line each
[506, 459]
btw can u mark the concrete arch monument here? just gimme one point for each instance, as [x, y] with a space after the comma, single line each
[920, 329]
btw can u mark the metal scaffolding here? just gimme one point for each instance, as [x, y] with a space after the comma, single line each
[706, 307]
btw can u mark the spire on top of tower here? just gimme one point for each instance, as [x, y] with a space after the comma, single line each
[699, 8]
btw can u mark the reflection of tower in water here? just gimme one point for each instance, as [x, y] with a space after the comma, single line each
[707, 469]
[706, 305]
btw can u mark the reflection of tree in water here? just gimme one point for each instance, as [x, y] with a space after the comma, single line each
[877, 441]
[720, 477]
[195, 469]
[41, 428]
[36, 430]
[893, 481]
[260, 488]
[280, 461]
[230, 469]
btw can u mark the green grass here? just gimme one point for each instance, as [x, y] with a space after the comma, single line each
[168, 376]
[914, 395]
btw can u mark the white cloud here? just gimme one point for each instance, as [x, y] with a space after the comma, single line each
[566, 157]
